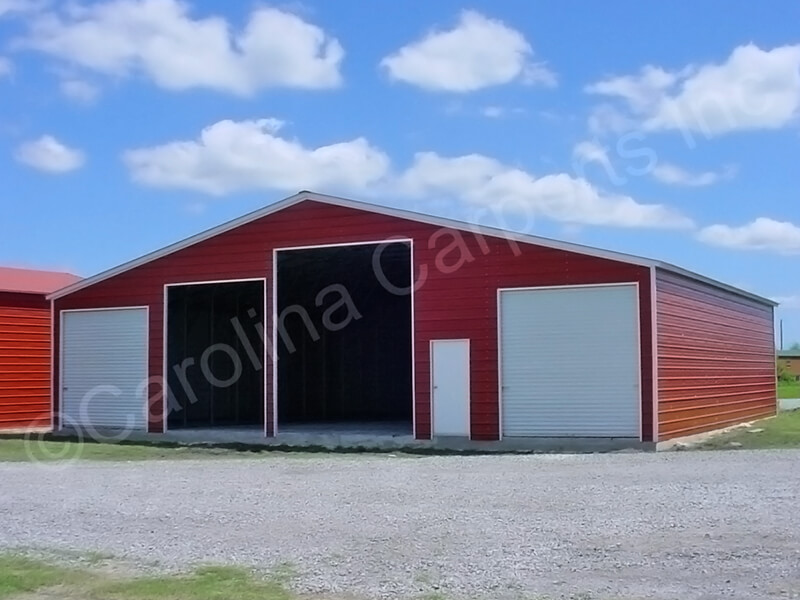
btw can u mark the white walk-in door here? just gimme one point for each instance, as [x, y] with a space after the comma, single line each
[569, 361]
[104, 368]
[450, 377]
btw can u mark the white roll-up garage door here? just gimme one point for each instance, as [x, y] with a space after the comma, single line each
[104, 368]
[570, 362]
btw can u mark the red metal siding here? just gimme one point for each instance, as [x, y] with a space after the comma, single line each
[457, 276]
[24, 361]
[716, 357]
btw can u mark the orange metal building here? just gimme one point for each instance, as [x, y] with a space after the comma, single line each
[25, 357]
[789, 361]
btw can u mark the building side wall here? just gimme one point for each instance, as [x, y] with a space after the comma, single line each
[791, 366]
[457, 275]
[716, 357]
[24, 361]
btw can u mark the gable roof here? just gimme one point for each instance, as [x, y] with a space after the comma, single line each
[401, 214]
[32, 281]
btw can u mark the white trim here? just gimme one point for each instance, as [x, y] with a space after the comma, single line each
[266, 354]
[71, 310]
[499, 338]
[568, 286]
[469, 379]
[215, 282]
[654, 336]
[341, 244]
[60, 369]
[412, 283]
[62, 337]
[400, 214]
[165, 330]
[164, 380]
[638, 311]
[274, 343]
[639, 356]
[52, 364]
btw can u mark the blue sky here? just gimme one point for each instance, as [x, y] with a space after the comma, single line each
[658, 129]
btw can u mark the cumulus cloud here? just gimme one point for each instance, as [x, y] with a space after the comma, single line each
[478, 52]
[232, 156]
[675, 175]
[237, 156]
[163, 41]
[484, 181]
[49, 155]
[761, 234]
[751, 89]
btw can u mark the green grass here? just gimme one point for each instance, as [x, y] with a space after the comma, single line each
[20, 575]
[209, 583]
[26, 578]
[20, 450]
[782, 431]
[789, 389]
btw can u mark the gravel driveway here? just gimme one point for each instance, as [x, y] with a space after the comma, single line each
[675, 525]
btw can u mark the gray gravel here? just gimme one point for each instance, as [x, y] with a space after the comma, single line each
[675, 525]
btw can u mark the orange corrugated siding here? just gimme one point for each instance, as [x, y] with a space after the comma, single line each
[716, 357]
[24, 361]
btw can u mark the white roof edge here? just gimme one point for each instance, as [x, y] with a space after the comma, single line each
[392, 212]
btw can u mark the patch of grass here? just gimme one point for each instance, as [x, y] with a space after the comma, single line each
[21, 450]
[22, 577]
[789, 389]
[782, 431]
[209, 583]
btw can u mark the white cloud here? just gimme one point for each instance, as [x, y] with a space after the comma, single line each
[49, 155]
[675, 175]
[6, 67]
[231, 156]
[762, 234]
[79, 91]
[161, 40]
[752, 89]
[590, 151]
[477, 53]
[485, 182]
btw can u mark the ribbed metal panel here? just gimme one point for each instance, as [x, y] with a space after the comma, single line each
[570, 362]
[24, 361]
[716, 357]
[105, 368]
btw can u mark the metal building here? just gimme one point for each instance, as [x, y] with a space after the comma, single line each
[318, 313]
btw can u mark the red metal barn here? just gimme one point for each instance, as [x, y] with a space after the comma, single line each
[321, 314]
[25, 346]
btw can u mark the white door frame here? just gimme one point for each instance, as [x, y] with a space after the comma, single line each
[412, 284]
[165, 330]
[500, 291]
